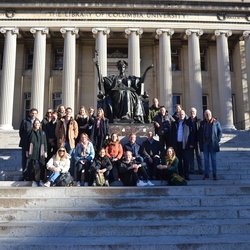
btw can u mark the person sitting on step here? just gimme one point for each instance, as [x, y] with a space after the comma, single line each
[58, 164]
[131, 172]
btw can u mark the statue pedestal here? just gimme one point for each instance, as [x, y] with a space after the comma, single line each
[125, 129]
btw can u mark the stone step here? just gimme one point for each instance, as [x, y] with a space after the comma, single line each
[118, 192]
[198, 242]
[127, 202]
[77, 214]
[125, 228]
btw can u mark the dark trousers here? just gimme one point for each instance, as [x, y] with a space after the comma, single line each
[89, 172]
[182, 155]
[130, 177]
[152, 170]
[195, 151]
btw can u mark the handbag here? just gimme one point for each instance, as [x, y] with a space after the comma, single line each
[64, 180]
[100, 179]
[177, 180]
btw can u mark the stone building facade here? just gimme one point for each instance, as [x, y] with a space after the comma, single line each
[200, 51]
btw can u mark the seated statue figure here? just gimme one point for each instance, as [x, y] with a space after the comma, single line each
[122, 99]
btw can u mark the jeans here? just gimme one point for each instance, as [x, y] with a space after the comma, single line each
[209, 152]
[71, 152]
[54, 176]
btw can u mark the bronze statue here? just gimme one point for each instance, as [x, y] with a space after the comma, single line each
[123, 95]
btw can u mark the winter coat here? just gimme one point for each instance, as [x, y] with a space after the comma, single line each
[114, 150]
[63, 164]
[37, 146]
[61, 132]
[215, 134]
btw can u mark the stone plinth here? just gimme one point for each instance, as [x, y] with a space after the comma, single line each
[125, 129]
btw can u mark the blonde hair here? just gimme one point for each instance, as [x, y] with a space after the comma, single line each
[58, 158]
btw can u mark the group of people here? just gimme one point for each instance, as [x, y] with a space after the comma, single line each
[188, 136]
[82, 146]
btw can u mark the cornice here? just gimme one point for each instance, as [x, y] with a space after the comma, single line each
[234, 6]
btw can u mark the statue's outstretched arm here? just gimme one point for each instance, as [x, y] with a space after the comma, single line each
[145, 73]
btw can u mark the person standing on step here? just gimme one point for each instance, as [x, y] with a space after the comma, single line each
[133, 173]
[24, 131]
[210, 134]
[100, 130]
[82, 120]
[36, 154]
[163, 125]
[180, 142]
[84, 156]
[66, 134]
[49, 126]
[194, 124]
[153, 110]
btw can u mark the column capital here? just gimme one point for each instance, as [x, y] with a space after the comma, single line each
[14, 31]
[73, 31]
[44, 31]
[227, 33]
[138, 31]
[159, 32]
[245, 35]
[105, 31]
[198, 32]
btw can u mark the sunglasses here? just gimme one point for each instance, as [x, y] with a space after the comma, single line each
[61, 150]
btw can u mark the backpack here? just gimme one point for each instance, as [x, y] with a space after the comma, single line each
[177, 180]
[64, 180]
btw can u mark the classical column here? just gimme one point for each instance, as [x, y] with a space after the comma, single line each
[69, 57]
[133, 35]
[8, 78]
[101, 35]
[194, 66]
[224, 79]
[38, 69]
[165, 67]
[246, 36]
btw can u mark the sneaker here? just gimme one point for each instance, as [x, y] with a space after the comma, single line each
[47, 184]
[106, 183]
[141, 183]
[86, 184]
[94, 184]
[149, 183]
[78, 183]
[34, 184]
[41, 184]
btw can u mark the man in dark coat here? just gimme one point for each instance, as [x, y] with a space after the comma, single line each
[24, 131]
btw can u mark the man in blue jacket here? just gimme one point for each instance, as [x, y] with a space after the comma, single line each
[210, 134]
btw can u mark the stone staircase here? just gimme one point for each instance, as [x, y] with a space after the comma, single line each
[203, 215]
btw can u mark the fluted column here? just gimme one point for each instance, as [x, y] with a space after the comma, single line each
[8, 78]
[246, 36]
[133, 35]
[69, 57]
[194, 66]
[224, 79]
[101, 35]
[165, 67]
[38, 69]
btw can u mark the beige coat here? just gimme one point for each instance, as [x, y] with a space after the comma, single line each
[61, 132]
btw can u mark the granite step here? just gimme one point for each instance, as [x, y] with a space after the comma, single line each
[125, 228]
[197, 242]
